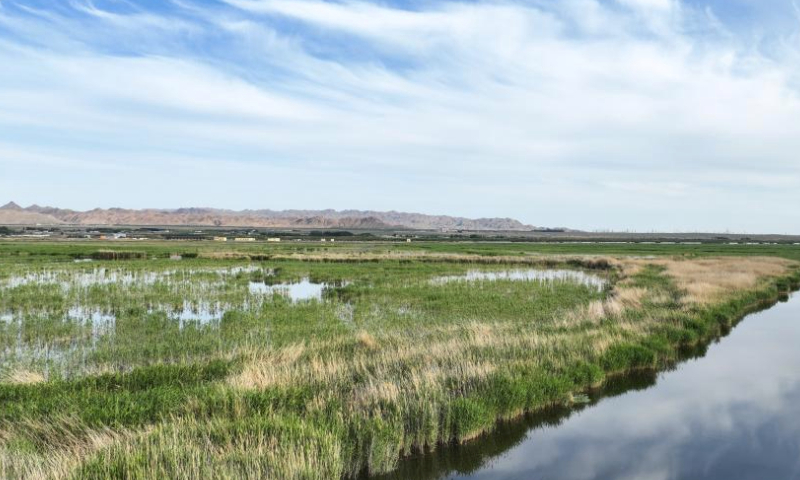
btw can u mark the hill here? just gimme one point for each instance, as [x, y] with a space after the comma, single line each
[13, 214]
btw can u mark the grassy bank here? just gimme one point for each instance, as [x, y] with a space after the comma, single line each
[165, 369]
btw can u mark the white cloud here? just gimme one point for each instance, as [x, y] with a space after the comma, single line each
[659, 5]
[608, 102]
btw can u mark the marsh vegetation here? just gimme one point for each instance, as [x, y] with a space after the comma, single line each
[727, 410]
[325, 363]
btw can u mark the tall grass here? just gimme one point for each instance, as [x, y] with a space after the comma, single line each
[389, 364]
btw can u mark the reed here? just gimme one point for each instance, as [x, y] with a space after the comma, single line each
[162, 369]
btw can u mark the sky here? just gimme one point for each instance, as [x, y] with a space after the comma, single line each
[633, 115]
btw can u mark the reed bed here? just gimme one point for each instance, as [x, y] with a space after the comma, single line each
[161, 369]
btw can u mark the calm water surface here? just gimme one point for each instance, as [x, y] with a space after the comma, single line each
[732, 414]
[304, 289]
[529, 275]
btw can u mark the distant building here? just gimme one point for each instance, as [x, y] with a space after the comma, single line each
[244, 239]
[273, 239]
[175, 256]
[323, 240]
[220, 239]
[408, 240]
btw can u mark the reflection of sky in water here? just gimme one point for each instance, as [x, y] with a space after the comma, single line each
[305, 289]
[190, 313]
[575, 276]
[734, 414]
[108, 276]
[102, 322]
[208, 294]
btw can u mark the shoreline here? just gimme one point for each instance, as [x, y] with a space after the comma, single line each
[747, 303]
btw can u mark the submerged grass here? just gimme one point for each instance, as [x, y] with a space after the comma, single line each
[390, 363]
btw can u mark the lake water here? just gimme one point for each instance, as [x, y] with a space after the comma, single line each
[528, 275]
[304, 289]
[731, 414]
[69, 279]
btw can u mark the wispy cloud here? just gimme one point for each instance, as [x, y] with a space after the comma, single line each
[616, 102]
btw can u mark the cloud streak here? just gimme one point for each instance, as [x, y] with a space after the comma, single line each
[587, 113]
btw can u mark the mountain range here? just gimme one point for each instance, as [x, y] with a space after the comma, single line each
[13, 214]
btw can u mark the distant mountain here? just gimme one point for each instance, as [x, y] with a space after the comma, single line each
[13, 214]
[11, 206]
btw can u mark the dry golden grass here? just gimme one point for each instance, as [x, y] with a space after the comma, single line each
[413, 369]
[709, 280]
[366, 340]
[619, 300]
[69, 444]
[22, 377]
[221, 450]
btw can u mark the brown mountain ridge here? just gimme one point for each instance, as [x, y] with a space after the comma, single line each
[13, 214]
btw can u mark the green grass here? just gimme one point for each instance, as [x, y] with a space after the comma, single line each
[390, 363]
[48, 251]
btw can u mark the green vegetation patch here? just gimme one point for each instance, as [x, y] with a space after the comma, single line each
[160, 368]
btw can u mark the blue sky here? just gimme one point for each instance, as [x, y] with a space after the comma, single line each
[595, 114]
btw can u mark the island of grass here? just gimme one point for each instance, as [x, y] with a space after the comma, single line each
[213, 366]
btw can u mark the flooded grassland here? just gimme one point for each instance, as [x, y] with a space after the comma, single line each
[326, 368]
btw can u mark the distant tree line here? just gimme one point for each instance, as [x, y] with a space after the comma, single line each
[331, 233]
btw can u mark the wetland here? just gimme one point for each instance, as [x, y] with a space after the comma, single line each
[342, 362]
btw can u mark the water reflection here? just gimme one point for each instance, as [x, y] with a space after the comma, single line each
[101, 321]
[194, 314]
[69, 279]
[528, 275]
[733, 414]
[305, 289]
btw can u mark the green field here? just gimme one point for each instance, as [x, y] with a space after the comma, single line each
[304, 360]
[38, 251]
